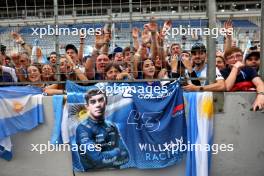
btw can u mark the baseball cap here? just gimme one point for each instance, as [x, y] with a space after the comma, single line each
[117, 50]
[253, 53]
[71, 46]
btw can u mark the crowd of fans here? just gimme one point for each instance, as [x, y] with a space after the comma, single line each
[149, 58]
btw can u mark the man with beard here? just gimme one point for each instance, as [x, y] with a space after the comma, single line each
[200, 67]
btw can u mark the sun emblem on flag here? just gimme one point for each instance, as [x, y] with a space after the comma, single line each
[207, 108]
[17, 106]
[79, 112]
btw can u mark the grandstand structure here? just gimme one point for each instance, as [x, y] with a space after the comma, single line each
[22, 16]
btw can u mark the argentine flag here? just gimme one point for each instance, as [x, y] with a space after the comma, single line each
[21, 110]
[199, 132]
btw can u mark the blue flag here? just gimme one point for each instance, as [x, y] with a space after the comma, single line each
[141, 127]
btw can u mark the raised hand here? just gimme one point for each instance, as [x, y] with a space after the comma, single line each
[228, 25]
[99, 41]
[135, 32]
[17, 37]
[82, 34]
[239, 65]
[166, 27]
[187, 63]
[145, 35]
[152, 26]
[107, 33]
[174, 63]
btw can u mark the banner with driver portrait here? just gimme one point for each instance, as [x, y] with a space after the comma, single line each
[123, 125]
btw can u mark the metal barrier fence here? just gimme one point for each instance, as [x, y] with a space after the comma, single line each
[28, 17]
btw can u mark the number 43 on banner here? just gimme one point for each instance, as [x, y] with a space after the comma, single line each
[149, 121]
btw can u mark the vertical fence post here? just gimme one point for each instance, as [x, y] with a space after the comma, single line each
[261, 68]
[55, 3]
[130, 35]
[211, 46]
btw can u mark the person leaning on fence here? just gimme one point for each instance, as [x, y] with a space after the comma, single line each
[220, 63]
[34, 76]
[114, 72]
[72, 51]
[253, 60]
[198, 52]
[47, 73]
[52, 59]
[238, 77]
[5, 76]
[68, 71]
[182, 67]
[22, 62]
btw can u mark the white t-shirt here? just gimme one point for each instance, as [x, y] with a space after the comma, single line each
[202, 74]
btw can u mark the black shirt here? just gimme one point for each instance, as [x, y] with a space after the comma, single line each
[245, 74]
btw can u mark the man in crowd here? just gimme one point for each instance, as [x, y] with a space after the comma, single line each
[198, 57]
[253, 60]
[238, 77]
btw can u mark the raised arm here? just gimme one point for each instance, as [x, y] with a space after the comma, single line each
[228, 40]
[135, 36]
[19, 40]
[153, 28]
[81, 49]
[161, 43]
[77, 71]
[136, 61]
[231, 79]
[90, 63]
[107, 35]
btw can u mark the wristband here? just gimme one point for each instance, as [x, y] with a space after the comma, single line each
[261, 93]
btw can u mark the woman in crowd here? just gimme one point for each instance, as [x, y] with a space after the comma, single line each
[34, 76]
[220, 63]
[114, 72]
[47, 73]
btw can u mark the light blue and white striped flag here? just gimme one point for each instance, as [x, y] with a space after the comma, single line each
[21, 110]
[199, 132]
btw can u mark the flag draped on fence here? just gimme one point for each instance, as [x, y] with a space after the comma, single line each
[21, 110]
[142, 125]
[199, 115]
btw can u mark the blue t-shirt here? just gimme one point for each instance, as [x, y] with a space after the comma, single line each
[6, 77]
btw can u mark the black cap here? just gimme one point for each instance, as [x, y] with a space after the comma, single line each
[71, 46]
[198, 47]
[253, 53]
[117, 50]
